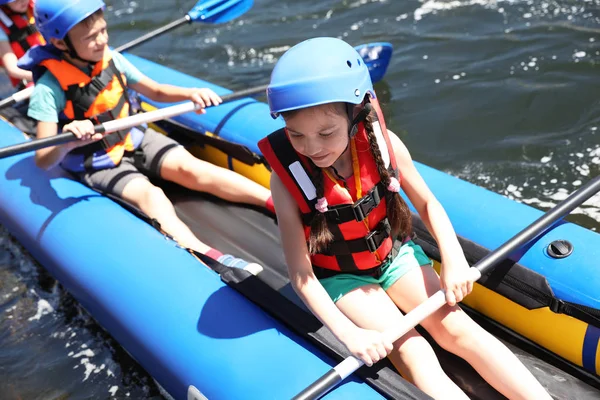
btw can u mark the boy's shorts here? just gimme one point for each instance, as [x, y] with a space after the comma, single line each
[410, 256]
[147, 160]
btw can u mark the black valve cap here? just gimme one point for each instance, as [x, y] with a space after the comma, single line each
[560, 249]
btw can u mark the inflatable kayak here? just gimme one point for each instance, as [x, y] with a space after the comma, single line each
[208, 331]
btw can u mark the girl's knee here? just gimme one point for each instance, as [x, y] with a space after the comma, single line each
[454, 331]
[414, 350]
[415, 360]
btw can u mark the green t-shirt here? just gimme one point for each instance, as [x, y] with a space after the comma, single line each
[48, 99]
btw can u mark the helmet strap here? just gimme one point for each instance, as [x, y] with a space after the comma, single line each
[73, 53]
[353, 129]
[360, 117]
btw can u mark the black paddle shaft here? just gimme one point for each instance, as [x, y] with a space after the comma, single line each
[533, 231]
[150, 35]
[37, 144]
[540, 226]
[67, 137]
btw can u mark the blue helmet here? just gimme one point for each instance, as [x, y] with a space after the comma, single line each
[4, 2]
[55, 18]
[318, 71]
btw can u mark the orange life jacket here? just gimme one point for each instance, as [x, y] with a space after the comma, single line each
[357, 213]
[21, 32]
[99, 97]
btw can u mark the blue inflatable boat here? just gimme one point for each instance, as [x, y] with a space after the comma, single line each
[208, 331]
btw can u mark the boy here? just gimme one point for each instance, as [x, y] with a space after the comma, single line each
[79, 78]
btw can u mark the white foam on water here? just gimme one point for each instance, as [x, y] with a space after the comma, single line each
[554, 179]
[87, 352]
[528, 8]
[113, 390]
[43, 308]
[432, 6]
[10, 309]
[89, 368]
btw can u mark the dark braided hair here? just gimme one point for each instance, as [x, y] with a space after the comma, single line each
[398, 212]
[320, 235]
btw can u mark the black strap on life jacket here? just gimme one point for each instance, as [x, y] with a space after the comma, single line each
[352, 212]
[375, 272]
[16, 34]
[20, 35]
[370, 243]
[82, 99]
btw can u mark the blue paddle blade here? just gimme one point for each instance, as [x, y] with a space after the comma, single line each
[219, 11]
[377, 58]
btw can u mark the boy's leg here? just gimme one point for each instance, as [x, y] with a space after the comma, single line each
[126, 182]
[179, 166]
[154, 203]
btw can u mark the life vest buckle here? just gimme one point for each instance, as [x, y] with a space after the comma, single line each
[363, 206]
[376, 237]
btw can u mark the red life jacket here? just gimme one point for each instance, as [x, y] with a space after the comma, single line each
[357, 215]
[21, 32]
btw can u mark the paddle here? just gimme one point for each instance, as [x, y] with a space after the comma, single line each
[123, 123]
[539, 227]
[16, 98]
[374, 63]
[207, 11]
[377, 57]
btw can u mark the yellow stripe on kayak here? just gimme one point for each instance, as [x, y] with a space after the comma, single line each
[558, 333]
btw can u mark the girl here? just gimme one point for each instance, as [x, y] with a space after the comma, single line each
[346, 232]
[17, 35]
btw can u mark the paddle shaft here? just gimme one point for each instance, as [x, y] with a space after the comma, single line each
[16, 98]
[538, 228]
[26, 93]
[123, 123]
[203, 10]
[151, 35]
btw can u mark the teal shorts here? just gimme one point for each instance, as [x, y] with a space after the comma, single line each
[410, 255]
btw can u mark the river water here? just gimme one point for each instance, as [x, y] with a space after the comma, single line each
[503, 94]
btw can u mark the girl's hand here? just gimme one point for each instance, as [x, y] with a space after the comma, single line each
[84, 131]
[455, 279]
[368, 345]
[204, 98]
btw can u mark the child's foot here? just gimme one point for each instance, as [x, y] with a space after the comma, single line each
[231, 261]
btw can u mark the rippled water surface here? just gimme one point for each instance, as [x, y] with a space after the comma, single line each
[503, 94]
